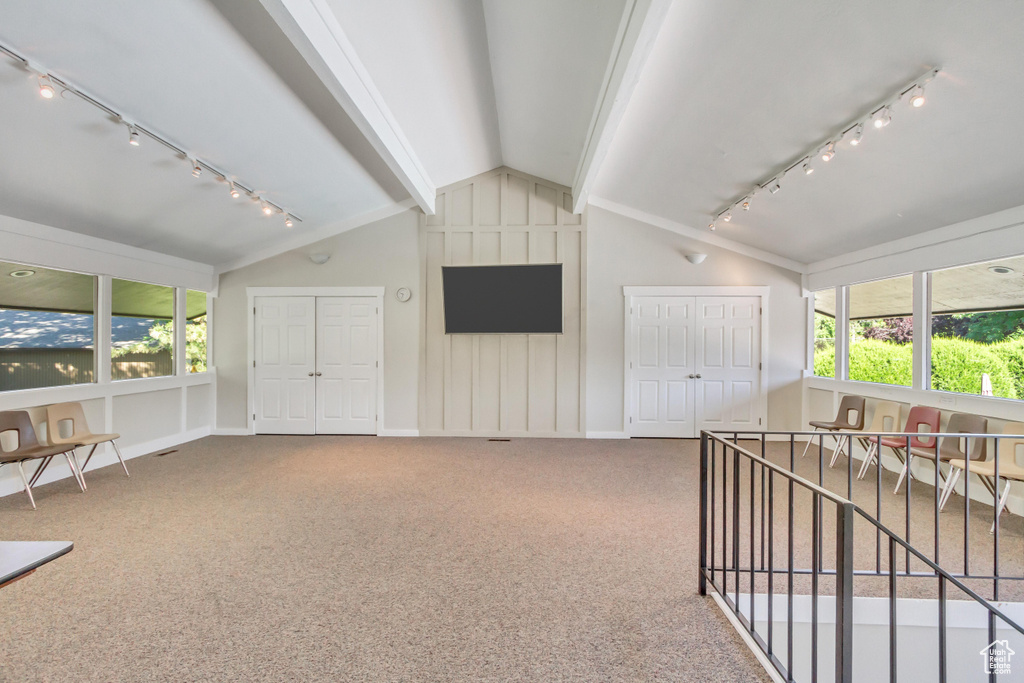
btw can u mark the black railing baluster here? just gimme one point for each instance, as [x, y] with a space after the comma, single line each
[713, 511]
[844, 592]
[878, 502]
[752, 544]
[893, 624]
[771, 558]
[907, 499]
[701, 579]
[736, 521]
[725, 519]
[815, 534]
[967, 507]
[789, 585]
[942, 629]
[764, 438]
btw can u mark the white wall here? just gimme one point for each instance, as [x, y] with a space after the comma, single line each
[507, 384]
[384, 253]
[150, 414]
[623, 251]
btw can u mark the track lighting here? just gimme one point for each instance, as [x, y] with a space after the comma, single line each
[879, 116]
[288, 221]
[917, 96]
[46, 88]
[49, 83]
[265, 207]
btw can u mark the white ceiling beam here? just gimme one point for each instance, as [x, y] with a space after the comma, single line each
[316, 34]
[701, 235]
[641, 21]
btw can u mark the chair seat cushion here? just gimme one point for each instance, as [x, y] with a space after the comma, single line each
[987, 468]
[830, 426]
[97, 438]
[33, 453]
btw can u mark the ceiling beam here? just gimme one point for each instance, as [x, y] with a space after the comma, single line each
[316, 34]
[641, 21]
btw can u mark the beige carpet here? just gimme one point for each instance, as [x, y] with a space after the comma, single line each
[360, 558]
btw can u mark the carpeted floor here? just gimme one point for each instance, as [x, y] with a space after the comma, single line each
[361, 558]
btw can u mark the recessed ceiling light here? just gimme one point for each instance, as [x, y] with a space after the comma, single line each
[998, 270]
[22, 273]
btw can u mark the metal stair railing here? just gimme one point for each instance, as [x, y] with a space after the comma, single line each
[734, 528]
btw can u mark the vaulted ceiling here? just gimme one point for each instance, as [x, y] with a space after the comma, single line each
[342, 110]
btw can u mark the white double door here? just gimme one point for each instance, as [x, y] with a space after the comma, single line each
[315, 365]
[696, 364]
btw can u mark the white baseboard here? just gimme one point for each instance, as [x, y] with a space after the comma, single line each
[231, 431]
[11, 482]
[607, 435]
[399, 432]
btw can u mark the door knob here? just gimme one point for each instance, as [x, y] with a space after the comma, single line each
[311, 374]
[692, 375]
[319, 373]
[698, 375]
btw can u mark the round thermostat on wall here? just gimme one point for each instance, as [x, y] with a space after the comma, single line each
[403, 294]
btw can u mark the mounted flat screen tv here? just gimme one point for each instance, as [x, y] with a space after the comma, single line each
[523, 299]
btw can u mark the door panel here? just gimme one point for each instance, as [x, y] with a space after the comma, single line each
[285, 363]
[696, 365]
[346, 383]
[729, 362]
[662, 389]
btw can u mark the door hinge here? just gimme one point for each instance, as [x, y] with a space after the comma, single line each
[760, 366]
[630, 419]
[758, 420]
[254, 363]
[630, 365]
[254, 310]
[376, 364]
[254, 416]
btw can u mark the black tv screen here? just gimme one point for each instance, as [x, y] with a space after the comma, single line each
[524, 299]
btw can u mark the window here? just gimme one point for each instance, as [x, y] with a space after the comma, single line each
[978, 329]
[825, 333]
[142, 330]
[882, 331]
[47, 327]
[195, 331]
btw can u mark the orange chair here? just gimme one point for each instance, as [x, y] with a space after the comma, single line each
[951, 448]
[919, 416]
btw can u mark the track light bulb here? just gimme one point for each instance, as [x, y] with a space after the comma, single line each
[133, 136]
[196, 169]
[774, 187]
[727, 217]
[235, 194]
[808, 169]
[917, 96]
[46, 88]
[265, 207]
[288, 221]
[746, 205]
[883, 117]
[711, 225]
[857, 135]
[829, 152]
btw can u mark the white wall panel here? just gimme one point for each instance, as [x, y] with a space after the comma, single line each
[503, 384]
[144, 417]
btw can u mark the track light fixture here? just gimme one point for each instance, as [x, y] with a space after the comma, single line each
[265, 207]
[879, 115]
[235, 194]
[858, 133]
[48, 83]
[882, 117]
[288, 221]
[46, 88]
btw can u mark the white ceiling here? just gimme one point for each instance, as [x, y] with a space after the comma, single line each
[732, 91]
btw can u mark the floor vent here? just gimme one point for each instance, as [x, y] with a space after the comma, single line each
[160, 455]
[499, 439]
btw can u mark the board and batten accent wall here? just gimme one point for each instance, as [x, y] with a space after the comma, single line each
[503, 384]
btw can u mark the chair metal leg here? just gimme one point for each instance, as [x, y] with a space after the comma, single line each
[869, 455]
[39, 470]
[1001, 505]
[838, 450]
[118, 451]
[904, 473]
[89, 457]
[79, 479]
[81, 473]
[810, 439]
[28, 489]
[947, 491]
